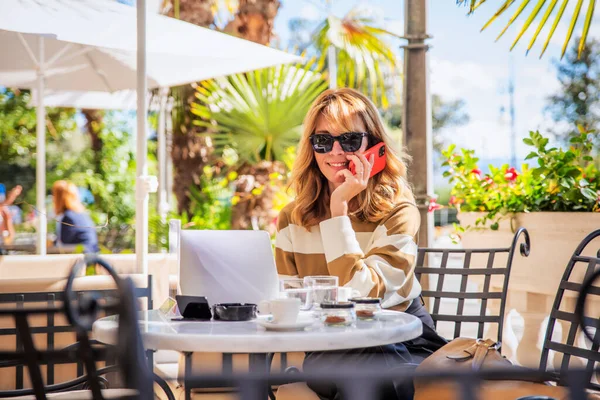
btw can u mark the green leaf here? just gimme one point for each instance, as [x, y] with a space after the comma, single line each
[528, 141]
[572, 26]
[541, 24]
[259, 113]
[557, 19]
[513, 18]
[531, 155]
[527, 23]
[499, 12]
[589, 194]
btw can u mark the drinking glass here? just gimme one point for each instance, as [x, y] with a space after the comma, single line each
[324, 288]
[297, 288]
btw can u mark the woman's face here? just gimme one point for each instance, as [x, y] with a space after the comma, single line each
[335, 161]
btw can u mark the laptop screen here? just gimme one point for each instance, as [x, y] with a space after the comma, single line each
[228, 266]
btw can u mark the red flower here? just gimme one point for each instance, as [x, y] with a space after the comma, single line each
[452, 200]
[433, 205]
[511, 174]
[488, 180]
[476, 171]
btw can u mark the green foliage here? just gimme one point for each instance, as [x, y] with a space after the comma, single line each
[109, 173]
[259, 114]
[112, 181]
[363, 55]
[210, 208]
[577, 102]
[18, 139]
[563, 180]
[543, 19]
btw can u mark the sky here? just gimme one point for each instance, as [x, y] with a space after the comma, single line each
[467, 64]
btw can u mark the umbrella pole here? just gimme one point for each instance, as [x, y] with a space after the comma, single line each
[40, 171]
[163, 204]
[141, 190]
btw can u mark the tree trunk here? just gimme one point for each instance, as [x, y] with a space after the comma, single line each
[254, 20]
[189, 151]
[94, 125]
[197, 12]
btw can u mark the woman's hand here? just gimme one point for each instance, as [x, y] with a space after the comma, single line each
[353, 185]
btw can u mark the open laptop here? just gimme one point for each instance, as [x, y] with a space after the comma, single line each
[235, 266]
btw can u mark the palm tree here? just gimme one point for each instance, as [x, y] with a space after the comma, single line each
[363, 55]
[253, 20]
[259, 114]
[540, 5]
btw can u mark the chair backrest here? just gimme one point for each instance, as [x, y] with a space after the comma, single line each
[564, 342]
[50, 328]
[476, 280]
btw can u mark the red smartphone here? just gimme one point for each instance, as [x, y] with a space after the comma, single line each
[378, 164]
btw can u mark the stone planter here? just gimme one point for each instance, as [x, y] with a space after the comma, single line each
[554, 237]
[535, 279]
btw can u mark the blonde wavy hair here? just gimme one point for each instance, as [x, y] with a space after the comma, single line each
[384, 190]
[66, 197]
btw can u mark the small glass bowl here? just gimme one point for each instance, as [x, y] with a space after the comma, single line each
[338, 314]
[366, 307]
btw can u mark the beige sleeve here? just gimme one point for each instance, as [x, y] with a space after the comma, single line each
[387, 268]
[284, 251]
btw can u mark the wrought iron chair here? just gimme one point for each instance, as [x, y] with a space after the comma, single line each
[570, 350]
[81, 310]
[488, 268]
[483, 265]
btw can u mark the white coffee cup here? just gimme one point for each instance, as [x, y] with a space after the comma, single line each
[284, 311]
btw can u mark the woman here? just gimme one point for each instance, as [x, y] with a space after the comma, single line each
[361, 229]
[73, 225]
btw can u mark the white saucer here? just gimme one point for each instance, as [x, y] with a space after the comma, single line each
[387, 315]
[302, 322]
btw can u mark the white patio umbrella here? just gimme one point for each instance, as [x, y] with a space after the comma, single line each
[94, 45]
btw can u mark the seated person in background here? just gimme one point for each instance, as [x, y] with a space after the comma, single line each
[7, 229]
[73, 225]
[359, 228]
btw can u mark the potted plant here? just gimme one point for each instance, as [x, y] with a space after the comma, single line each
[557, 199]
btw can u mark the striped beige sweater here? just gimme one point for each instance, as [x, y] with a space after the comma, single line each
[374, 259]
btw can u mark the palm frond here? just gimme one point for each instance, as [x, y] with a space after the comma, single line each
[258, 113]
[529, 20]
[586, 27]
[549, 6]
[541, 24]
[571, 27]
[556, 21]
[362, 52]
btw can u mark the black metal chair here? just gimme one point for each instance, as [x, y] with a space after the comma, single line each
[81, 310]
[570, 351]
[488, 268]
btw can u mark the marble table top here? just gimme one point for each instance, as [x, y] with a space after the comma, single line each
[160, 333]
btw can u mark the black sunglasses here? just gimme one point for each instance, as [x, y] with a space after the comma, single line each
[350, 141]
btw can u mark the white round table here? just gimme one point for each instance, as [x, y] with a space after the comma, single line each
[159, 332]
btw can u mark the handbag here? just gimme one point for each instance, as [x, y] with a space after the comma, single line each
[469, 354]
